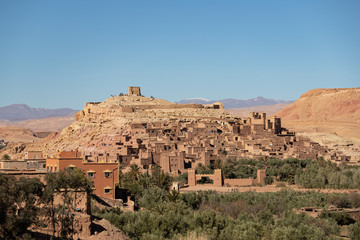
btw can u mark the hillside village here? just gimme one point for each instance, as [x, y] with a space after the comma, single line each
[132, 129]
[132, 134]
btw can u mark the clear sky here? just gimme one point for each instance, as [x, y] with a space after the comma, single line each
[65, 53]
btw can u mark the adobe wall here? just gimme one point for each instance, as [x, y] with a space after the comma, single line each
[219, 181]
[168, 106]
[191, 177]
[33, 155]
[134, 91]
[8, 164]
[261, 174]
[39, 165]
[239, 182]
[69, 154]
[126, 109]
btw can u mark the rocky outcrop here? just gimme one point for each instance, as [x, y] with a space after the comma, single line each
[328, 116]
[338, 104]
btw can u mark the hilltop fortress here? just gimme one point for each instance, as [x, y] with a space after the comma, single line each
[134, 107]
[133, 129]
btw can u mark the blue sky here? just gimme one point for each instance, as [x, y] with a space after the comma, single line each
[65, 53]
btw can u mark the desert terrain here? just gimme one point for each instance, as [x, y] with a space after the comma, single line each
[330, 117]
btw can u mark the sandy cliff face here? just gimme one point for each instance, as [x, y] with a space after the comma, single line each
[328, 116]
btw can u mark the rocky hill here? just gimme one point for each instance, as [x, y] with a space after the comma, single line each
[99, 122]
[237, 103]
[328, 116]
[103, 120]
[43, 124]
[18, 112]
[17, 135]
[339, 104]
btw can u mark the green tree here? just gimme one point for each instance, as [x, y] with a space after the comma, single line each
[67, 183]
[161, 179]
[18, 205]
[354, 231]
[134, 172]
[6, 157]
[173, 195]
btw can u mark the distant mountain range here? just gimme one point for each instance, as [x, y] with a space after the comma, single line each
[18, 112]
[237, 103]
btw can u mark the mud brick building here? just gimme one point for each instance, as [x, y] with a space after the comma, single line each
[103, 174]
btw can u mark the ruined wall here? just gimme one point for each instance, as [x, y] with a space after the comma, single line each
[134, 91]
[219, 181]
[257, 118]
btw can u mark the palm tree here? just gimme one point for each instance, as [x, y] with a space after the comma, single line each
[135, 171]
[163, 180]
[173, 195]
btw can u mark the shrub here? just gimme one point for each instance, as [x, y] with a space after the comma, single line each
[354, 231]
[340, 201]
[280, 184]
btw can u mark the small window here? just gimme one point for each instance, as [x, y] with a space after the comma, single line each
[71, 167]
[107, 191]
[107, 174]
[91, 175]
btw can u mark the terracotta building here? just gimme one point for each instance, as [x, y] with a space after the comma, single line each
[103, 174]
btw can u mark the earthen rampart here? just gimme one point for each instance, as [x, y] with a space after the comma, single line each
[239, 182]
[218, 180]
